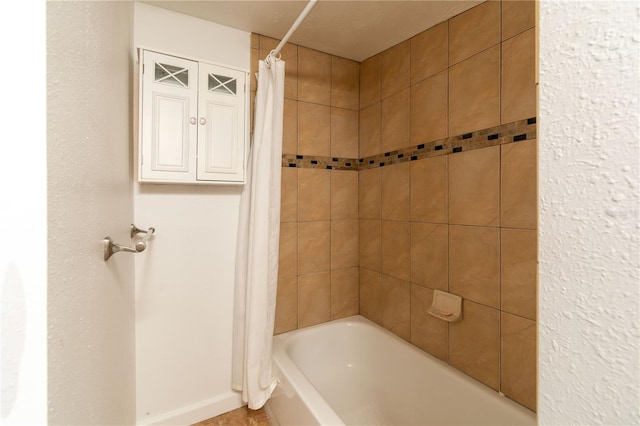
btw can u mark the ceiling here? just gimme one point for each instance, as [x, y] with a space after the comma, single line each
[352, 29]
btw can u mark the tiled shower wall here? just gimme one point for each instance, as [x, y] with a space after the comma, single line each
[318, 273]
[434, 189]
[447, 192]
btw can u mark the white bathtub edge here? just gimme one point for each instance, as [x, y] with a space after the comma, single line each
[299, 402]
[295, 392]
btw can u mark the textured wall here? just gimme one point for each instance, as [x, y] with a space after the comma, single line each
[90, 302]
[184, 282]
[589, 196]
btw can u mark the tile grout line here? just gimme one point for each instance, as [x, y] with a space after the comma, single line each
[500, 85]
[330, 190]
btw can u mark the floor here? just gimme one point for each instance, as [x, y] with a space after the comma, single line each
[241, 416]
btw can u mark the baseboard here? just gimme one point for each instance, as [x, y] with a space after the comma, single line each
[197, 412]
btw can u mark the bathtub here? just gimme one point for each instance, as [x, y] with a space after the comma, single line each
[353, 372]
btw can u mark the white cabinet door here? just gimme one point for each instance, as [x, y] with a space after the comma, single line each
[193, 121]
[221, 124]
[169, 118]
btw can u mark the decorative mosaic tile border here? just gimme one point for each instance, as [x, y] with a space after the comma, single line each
[315, 162]
[506, 133]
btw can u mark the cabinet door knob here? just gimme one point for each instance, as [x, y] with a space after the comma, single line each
[202, 120]
[192, 120]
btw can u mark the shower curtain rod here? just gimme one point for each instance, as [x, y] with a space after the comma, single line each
[294, 27]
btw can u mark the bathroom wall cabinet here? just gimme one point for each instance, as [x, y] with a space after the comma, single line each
[193, 121]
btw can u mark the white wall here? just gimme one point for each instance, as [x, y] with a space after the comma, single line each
[90, 301]
[184, 282]
[589, 301]
[23, 218]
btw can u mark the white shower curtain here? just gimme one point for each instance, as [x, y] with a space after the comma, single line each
[258, 239]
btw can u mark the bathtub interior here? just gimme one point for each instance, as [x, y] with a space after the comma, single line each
[367, 375]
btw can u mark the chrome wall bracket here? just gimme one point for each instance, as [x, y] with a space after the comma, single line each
[111, 247]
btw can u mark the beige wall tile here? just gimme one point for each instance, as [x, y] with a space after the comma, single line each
[474, 187]
[428, 332]
[290, 127]
[369, 81]
[345, 290]
[474, 31]
[314, 299]
[289, 195]
[252, 98]
[430, 52]
[518, 272]
[345, 83]
[518, 365]
[396, 306]
[286, 305]
[370, 295]
[396, 249]
[474, 343]
[314, 247]
[369, 241]
[395, 69]
[474, 263]
[395, 121]
[289, 54]
[519, 192]
[430, 109]
[369, 194]
[519, 77]
[430, 255]
[395, 192]
[255, 41]
[288, 263]
[314, 129]
[314, 194]
[369, 133]
[344, 244]
[429, 190]
[255, 57]
[344, 133]
[314, 76]
[344, 194]
[474, 93]
[517, 16]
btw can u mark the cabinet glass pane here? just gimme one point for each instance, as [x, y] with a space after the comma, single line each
[170, 74]
[222, 84]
